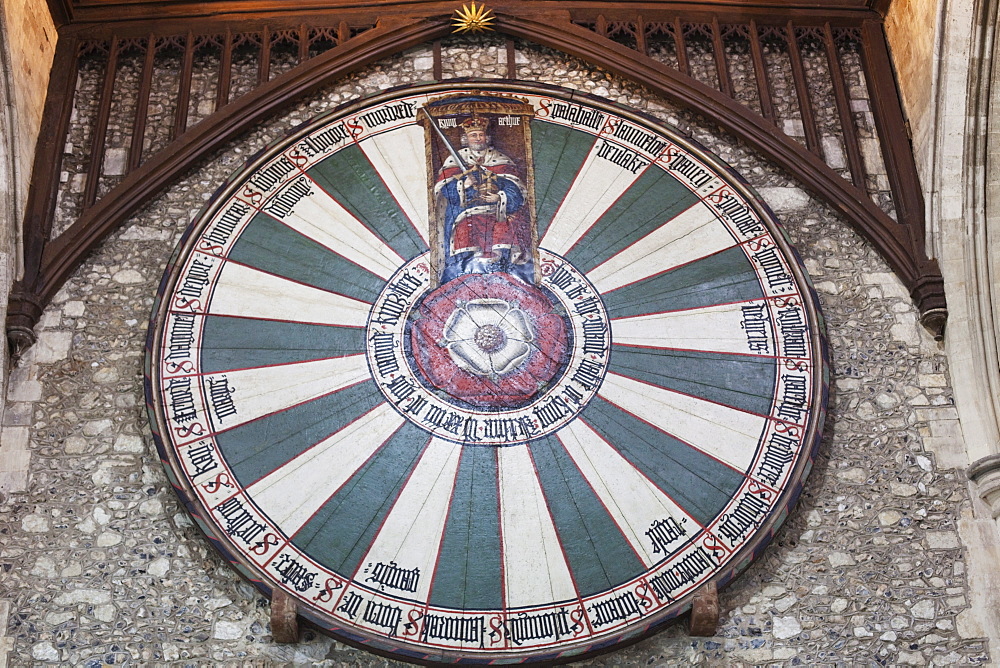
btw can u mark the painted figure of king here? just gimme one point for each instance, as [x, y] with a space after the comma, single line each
[486, 229]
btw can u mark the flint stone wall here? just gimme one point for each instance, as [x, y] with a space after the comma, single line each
[102, 565]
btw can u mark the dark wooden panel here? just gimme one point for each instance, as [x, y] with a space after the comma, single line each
[897, 153]
[880, 6]
[44, 185]
[162, 7]
[303, 44]
[217, 25]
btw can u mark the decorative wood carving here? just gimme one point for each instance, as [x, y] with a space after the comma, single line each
[614, 37]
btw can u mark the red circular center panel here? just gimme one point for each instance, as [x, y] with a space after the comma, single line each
[488, 341]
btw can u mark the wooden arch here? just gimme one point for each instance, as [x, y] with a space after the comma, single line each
[49, 263]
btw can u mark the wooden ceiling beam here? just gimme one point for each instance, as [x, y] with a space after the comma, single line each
[237, 23]
[286, 20]
[704, 13]
[215, 25]
[262, 5]
[94, 13]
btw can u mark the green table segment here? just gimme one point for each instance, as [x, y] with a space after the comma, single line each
[486, 373]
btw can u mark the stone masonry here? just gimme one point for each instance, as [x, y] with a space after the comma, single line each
[101, 564]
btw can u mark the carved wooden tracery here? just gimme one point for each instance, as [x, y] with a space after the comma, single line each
[665, 47]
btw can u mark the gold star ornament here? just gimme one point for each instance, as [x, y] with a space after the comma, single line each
[472, 18]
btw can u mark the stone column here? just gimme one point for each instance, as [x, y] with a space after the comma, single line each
[962, 174]
[983, 214]
[960, 181]
[8, 192]
[985, 475]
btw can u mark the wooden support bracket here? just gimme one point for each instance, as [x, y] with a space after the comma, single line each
[705, 612]
[284, 618]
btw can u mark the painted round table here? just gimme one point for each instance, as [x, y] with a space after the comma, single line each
[486, 372]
